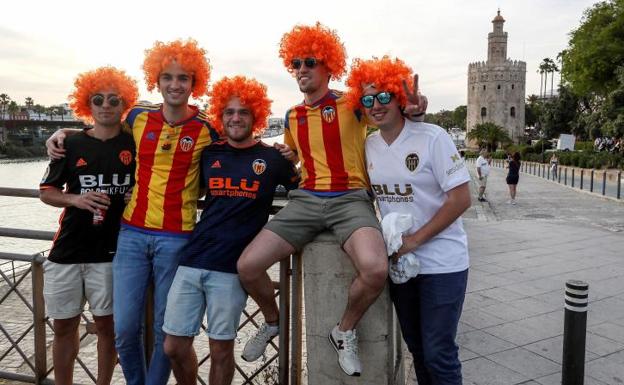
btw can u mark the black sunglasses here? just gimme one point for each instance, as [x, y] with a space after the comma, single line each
[98, 100]
[309, 62]
[369, 100]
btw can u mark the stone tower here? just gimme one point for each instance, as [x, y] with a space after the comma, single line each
[496, 87]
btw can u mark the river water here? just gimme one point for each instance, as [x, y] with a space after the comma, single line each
[25, 213]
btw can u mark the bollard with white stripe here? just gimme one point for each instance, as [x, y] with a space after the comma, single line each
[574, 333]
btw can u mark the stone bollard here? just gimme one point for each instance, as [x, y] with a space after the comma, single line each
[328, 274]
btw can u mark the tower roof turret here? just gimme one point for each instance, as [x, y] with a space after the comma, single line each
[498, 17]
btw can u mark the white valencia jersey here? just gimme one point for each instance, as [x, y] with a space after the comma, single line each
[412, 176]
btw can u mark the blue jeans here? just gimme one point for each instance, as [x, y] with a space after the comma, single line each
[140, 258]
[428, 308]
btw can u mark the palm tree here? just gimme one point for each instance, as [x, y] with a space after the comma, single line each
[552, 68]
[39, 109]
[544, 68]
[4, 102]
[13, 109]
[489, 135]
[29, 102]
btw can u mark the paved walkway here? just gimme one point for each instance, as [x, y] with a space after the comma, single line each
[511, 330]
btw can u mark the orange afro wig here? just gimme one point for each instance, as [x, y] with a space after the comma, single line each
[251, 93]
[316, 41]
[187, 54]
[385, 74]
[103, 78]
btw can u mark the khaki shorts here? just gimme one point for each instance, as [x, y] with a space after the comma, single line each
[306, 215]
[66, 288]
[482, 182]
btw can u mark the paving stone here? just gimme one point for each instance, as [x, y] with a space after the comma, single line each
[482, 371]
[525, 362]
[483, 343]
[552, 348]
[609, 330]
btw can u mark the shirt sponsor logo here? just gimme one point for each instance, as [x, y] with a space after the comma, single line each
[395, 194]
[329, 114]
[186, 143]
[220, 186]
[456, 167]
[258, 166]
[111, 185]
[125, 157]
[411, 161]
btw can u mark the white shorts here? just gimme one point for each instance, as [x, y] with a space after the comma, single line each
[66, 288]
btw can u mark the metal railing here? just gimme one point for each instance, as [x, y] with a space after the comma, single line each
[29, 342]
[601, 182]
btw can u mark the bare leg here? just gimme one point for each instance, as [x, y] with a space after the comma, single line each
[481, 192]
[65, 349]
[221, 362]
[512, 191]
[107, 355]
[266, 249]
[367, 251]
[183, 358]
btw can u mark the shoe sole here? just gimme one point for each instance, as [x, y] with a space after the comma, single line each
[335, 346]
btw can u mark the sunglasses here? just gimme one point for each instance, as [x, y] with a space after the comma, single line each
[309, 62]
[98, 100]
[369, 100]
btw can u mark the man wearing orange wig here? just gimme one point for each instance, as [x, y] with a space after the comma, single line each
[89, 183]
[162, 211]
[430, 183]
[333, 194]
[240, 175]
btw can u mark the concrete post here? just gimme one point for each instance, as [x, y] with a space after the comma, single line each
[328, 274]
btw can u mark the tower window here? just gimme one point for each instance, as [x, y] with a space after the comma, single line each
[512, 112]
[512, 86]
[473, 88]
[484, 87]
[483, 112]
[498, 87]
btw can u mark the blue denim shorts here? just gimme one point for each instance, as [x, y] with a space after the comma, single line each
[195, 291]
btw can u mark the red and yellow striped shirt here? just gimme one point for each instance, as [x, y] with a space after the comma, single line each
[165, 195]
[329, 139]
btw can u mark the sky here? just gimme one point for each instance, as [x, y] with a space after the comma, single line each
[45, 44]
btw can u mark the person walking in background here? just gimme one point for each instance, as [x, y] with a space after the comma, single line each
[513, 176]
[483, 170]
[554, 165]
[89, 183]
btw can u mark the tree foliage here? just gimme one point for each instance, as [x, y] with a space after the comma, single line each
[449, 119]
[489, 135]
[595, 50]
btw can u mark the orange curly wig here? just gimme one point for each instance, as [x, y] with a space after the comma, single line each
[386, 74]
[251, 93]
[316, 41]
[186, 53]
[88, 83]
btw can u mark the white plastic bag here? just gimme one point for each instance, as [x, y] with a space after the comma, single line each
[394, 225]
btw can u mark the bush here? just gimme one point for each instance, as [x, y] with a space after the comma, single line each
[584, 146]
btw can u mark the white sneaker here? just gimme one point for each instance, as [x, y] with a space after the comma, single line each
[513, 201]
[345, 344]
[256, 345]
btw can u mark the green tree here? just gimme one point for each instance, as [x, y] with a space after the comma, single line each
[29, 102]
[12, 109]
[39, 109]
[595, 50]
[559, 114]
[4, 102]
[489, 135]
[459, 117]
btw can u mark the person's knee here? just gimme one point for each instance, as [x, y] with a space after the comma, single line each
[175, 348]
[221, 353]
[247, 270]
[66, 327]
[104, 326]
[375, 274]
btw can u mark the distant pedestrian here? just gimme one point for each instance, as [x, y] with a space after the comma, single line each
[483, 170]
[554, 165]
[513, 176]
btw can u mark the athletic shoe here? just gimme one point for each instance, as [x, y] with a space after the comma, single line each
[513, 201]
[256, 345]
[345, 344]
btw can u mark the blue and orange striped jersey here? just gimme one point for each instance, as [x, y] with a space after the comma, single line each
[165, 195]
[329, 139]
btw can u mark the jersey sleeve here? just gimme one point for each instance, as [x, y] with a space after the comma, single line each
[448, 166]
[56, 175]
